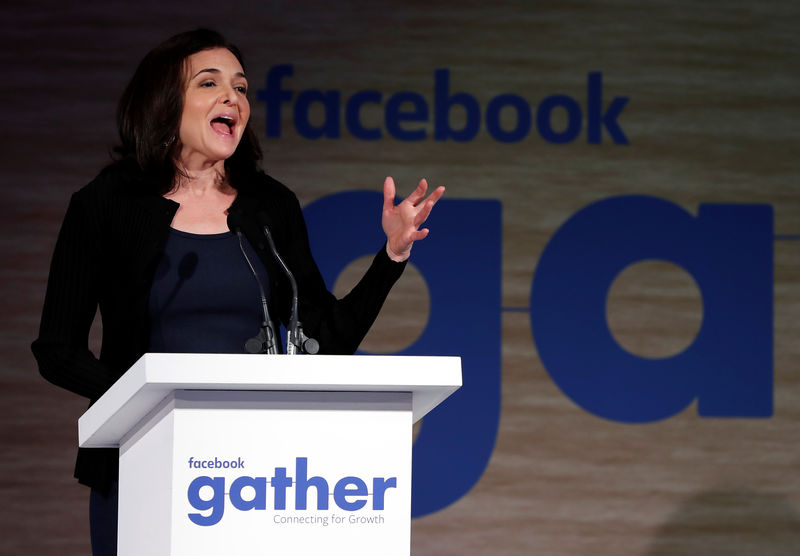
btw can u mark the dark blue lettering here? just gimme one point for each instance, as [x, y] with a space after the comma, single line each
[544, 119]
[443, 102]
[353, 115]
[330, 126]
[523, 118]
[596, 119]
[728, 251]
[395, 115]
[273, 96]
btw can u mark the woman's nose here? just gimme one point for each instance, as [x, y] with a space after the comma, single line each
[228, 96]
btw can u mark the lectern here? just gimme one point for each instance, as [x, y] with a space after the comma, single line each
[266, 454]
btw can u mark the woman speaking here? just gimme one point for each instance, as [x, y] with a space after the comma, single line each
[148, 242]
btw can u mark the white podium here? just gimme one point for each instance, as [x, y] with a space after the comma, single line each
[266, 454]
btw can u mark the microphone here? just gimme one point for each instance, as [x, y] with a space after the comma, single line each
[295, 338]
[264, 342]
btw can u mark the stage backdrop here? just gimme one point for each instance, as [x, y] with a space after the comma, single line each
[616, 258]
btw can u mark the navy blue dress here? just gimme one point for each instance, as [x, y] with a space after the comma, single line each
[204, 298]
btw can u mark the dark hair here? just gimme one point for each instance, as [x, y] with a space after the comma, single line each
[149, 112]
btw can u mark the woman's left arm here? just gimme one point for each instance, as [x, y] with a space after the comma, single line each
[339, 325]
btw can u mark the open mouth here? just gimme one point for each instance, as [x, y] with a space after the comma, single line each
[223, 125]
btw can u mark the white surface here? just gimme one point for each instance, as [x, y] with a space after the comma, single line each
[146, 469]
[346, 434]
[156, 375]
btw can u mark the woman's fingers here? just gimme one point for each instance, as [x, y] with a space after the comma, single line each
[419, 193]
[423, 214]
[389, 192]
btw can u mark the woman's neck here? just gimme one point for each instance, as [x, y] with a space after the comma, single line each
[204, 199]
[201, 180]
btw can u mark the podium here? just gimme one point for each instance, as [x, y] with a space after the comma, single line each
[266, 454]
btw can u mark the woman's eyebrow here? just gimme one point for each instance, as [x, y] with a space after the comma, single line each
[215, 70]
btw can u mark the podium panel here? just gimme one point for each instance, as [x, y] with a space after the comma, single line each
[222, 454]
[269, 473]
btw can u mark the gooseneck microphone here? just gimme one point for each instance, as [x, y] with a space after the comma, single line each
[264, 342]
[296, 340]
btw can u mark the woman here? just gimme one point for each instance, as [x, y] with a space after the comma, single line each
[148, 243]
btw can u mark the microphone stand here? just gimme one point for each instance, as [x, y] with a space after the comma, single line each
[296, 340]
[264, 342]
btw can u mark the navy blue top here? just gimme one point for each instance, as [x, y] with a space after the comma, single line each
[204, 297]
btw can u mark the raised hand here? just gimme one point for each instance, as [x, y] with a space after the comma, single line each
[401, 222]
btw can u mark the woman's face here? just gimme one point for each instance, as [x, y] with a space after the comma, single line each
[215, 108]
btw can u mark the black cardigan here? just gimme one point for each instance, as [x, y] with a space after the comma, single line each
[107, 251]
